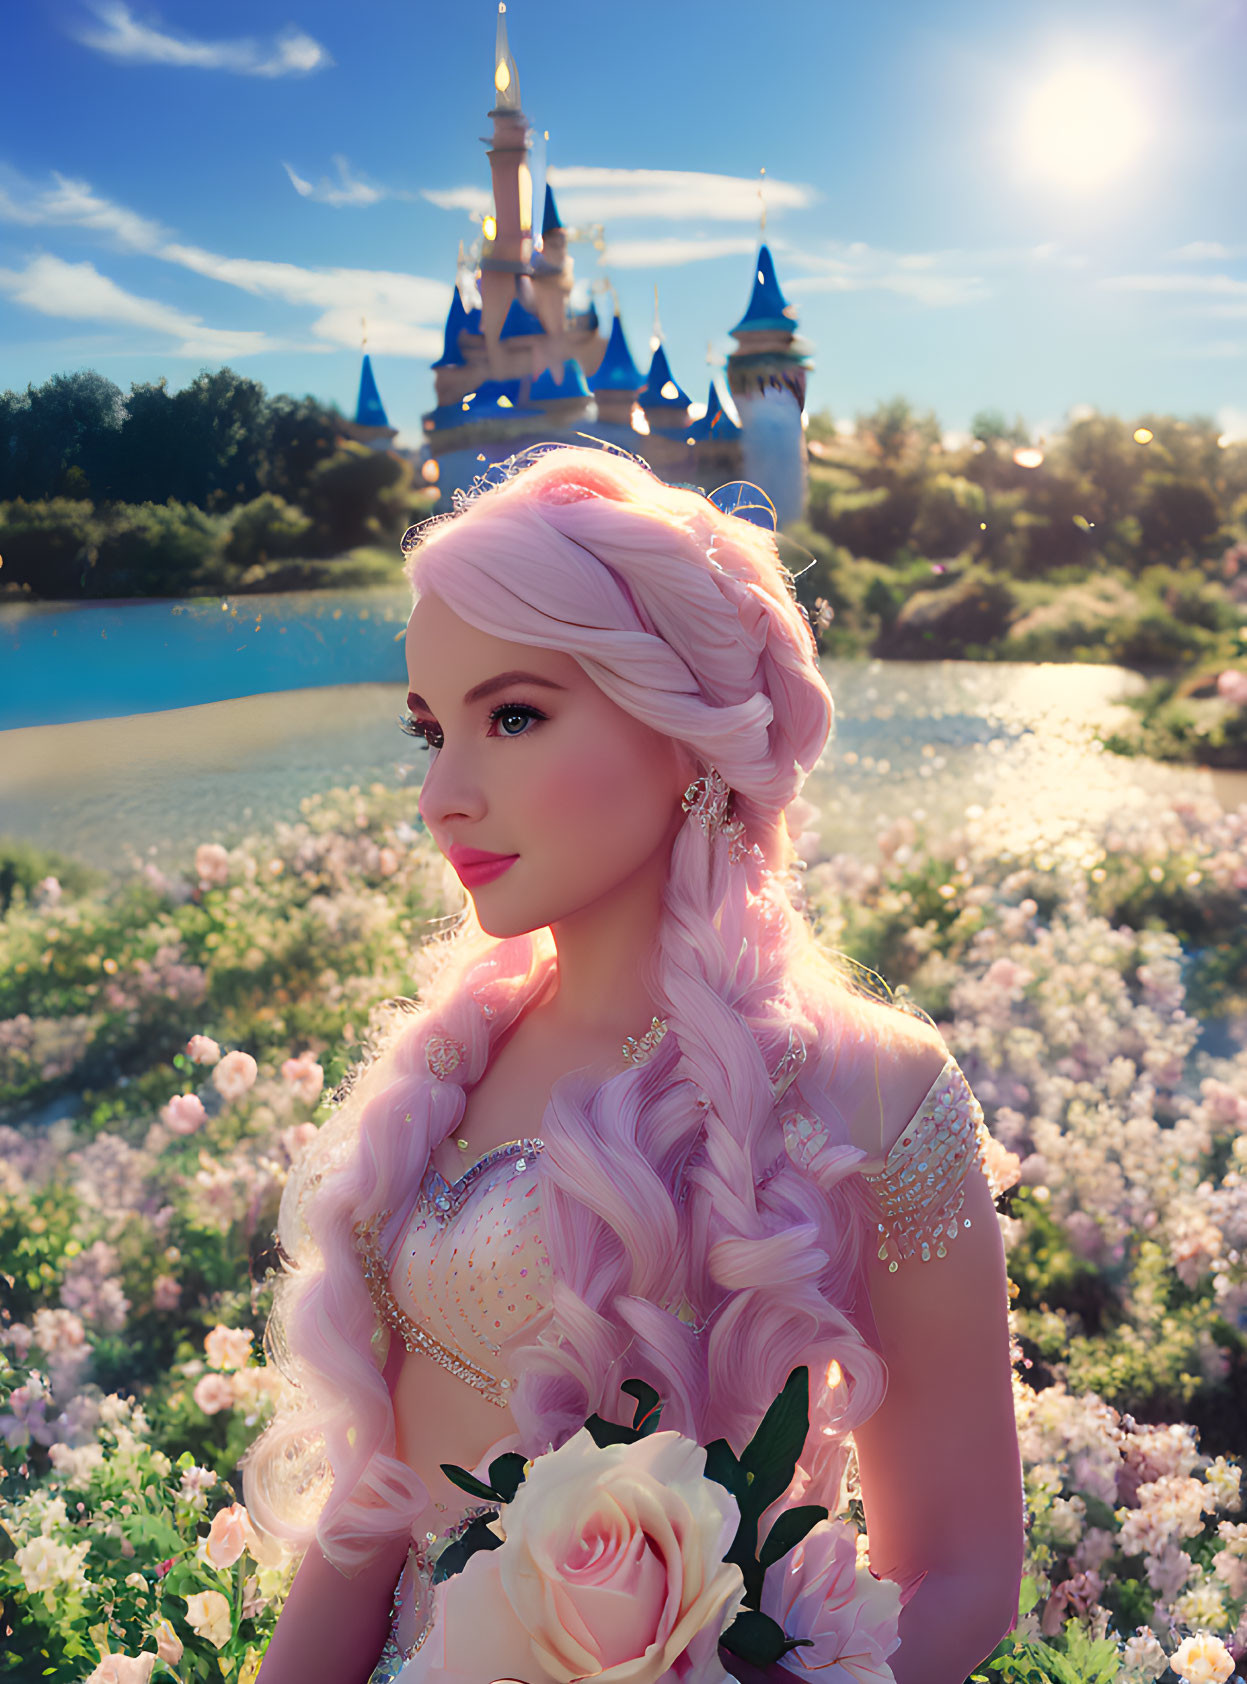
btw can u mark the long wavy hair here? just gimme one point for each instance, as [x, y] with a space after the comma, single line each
[687, 1247]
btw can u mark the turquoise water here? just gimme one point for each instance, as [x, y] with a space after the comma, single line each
[66, 661]
[947, 743]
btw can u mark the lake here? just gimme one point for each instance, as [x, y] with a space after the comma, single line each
[137, 730]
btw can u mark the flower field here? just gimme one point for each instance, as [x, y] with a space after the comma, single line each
[166, 1044]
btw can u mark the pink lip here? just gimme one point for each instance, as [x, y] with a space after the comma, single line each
[474, 866]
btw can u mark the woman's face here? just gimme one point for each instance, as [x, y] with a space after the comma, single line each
[543, 770]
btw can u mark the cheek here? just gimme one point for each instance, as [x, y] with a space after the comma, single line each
[614, 792]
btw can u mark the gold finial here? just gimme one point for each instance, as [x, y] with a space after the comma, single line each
[655, 338]
[363, 328]
[506, 76]
[762, 195]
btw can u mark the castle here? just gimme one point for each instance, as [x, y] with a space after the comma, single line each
[520, 365]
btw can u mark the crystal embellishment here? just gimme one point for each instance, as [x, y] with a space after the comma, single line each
[921, 1188]
[444, 1055]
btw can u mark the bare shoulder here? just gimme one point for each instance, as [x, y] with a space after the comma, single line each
[897, 1059]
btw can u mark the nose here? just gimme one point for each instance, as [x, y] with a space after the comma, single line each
[450, 791]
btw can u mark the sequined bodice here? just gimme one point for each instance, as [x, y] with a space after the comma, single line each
[471, 1270]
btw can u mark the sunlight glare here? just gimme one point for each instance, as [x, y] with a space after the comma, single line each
[1082, 127]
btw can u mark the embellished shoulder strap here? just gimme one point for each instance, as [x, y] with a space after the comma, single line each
[921, 1188]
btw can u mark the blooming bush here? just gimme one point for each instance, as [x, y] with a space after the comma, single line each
[167, 1044]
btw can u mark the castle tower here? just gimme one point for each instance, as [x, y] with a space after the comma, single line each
[766, 377]
[371, 425]
[507, 249]
[661, 399]
[617, 380]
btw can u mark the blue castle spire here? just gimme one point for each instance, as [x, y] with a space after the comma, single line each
[617, 372]
[661, 389]
[571, 384]
[519, 322]
[456, 321]
[369, 410]
[551, 220]
[768, 308]
[716, 423]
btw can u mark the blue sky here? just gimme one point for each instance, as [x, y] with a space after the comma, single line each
[974, 204]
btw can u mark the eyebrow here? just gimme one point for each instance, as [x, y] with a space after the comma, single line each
[489, 687]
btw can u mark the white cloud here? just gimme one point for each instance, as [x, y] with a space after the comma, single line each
[1201, 251]
[404, 313]
[477, 201]
[606, 195]
[292, 53]
[1233, 424]
[347, 190]
[938, 279]
[79, 292]
[1225, 286]
[665, 252]
[1217, 350]
[72, 204]
[609, 195]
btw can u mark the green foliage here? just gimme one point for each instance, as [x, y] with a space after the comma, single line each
[944, 624]
[153, 549]
[267, 528]
[49, 547]
[23, 867]
[358, 496]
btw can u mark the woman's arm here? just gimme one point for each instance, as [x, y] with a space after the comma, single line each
[333, 1628]
[939, 1461]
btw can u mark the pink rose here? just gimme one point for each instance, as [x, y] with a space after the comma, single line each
[304, 1075]
[818, 1591]
[234, 1075]
[208, 1615]
[297, 1139]
[168, 1644]
[228, 1347]
[166, 1293]
[213, 1394]
[1232, 686]
[229, 1535]
[123, 1669]
[183, 1114]
[202, 1049]
[612, 1568]
[212, 863]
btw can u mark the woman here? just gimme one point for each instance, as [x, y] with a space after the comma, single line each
[629, 1132]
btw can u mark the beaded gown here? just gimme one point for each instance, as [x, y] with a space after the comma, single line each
[468, 1275]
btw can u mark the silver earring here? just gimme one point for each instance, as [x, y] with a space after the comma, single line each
[706, 800]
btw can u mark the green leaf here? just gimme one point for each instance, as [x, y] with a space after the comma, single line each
[1028, 1595]
[604, 1432]
[755, 1638]
[455, 1557]
[465, 1481]
[723, 1467]
[506, 1474]
[788, 1531]
[648, 1406]
[771, 1454]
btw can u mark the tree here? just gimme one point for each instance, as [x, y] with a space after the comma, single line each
[897, 435]
[55, 439]
[358, 496]
[1176, 516]
[202, 445]
[990, 428]
[300, 434]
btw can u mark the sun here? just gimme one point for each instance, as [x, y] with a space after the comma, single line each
[1082, 127]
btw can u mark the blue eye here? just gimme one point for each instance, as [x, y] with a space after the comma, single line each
[515, 710]
[431, 736]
